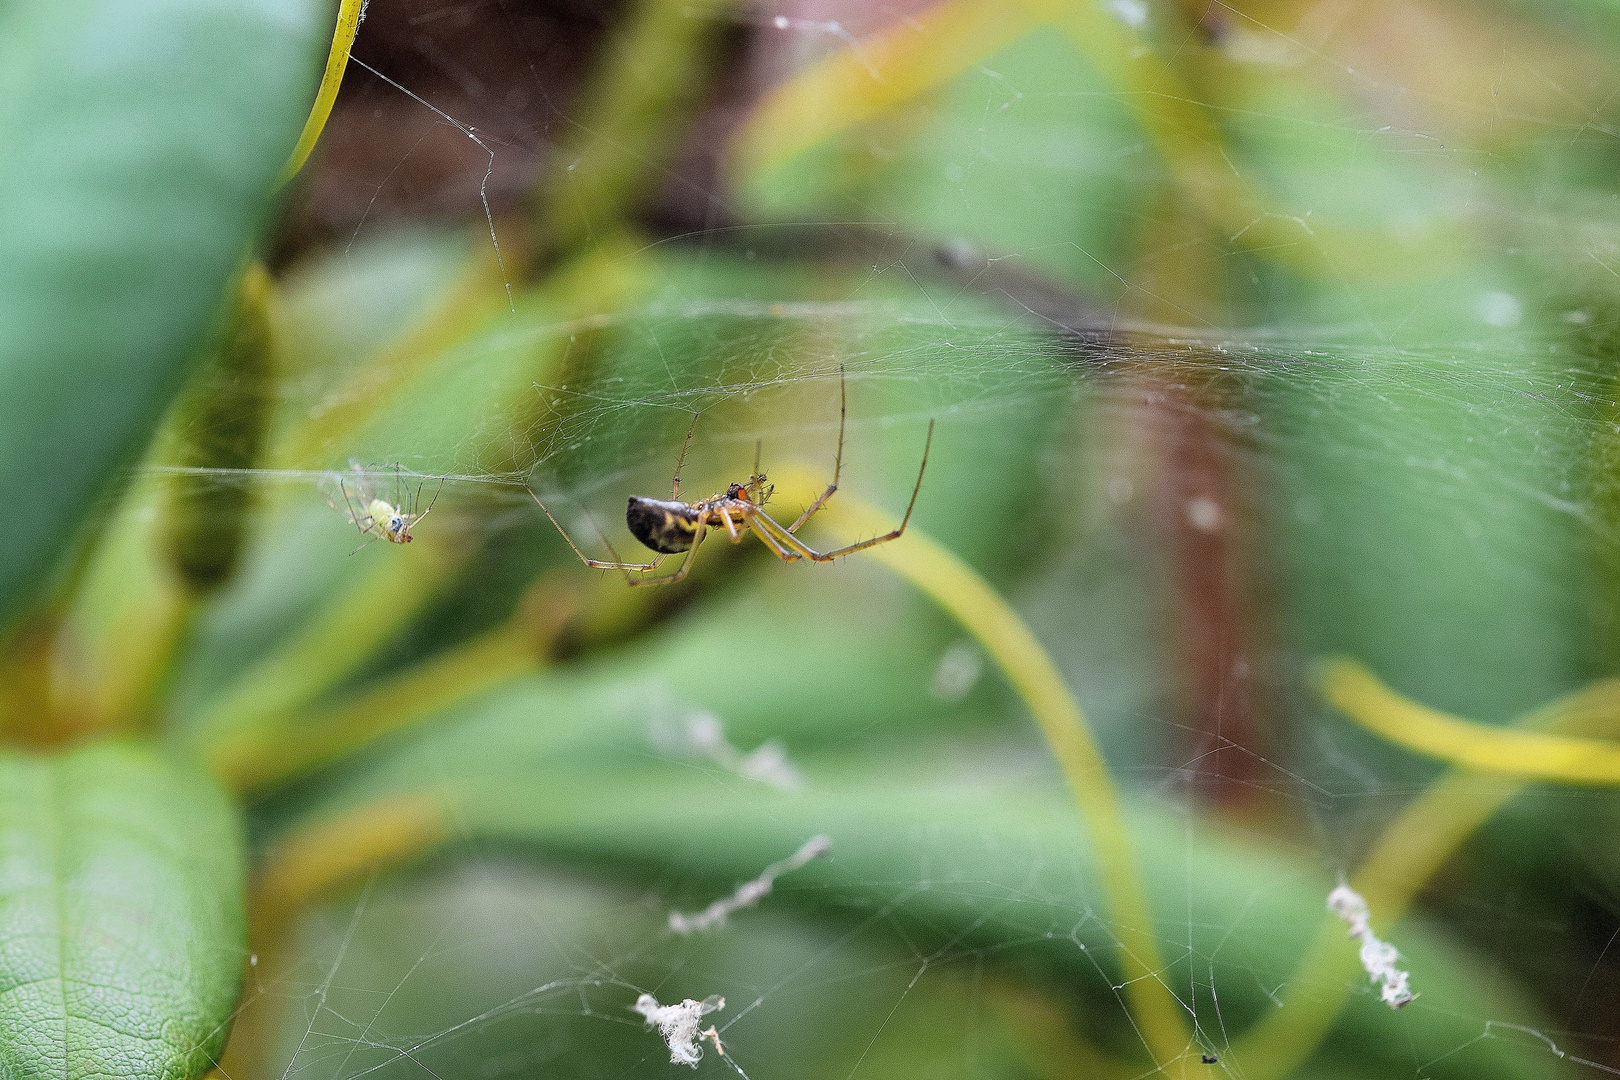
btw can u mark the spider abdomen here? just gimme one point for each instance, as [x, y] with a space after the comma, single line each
[667, 527]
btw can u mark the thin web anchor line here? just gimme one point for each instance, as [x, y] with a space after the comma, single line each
[483, 185]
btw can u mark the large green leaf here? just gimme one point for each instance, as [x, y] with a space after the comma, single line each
[122, 932]
[138, 144]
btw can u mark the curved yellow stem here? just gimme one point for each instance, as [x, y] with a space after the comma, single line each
[292, 743]
[350, 12]
[1357, 693]
[957, 588]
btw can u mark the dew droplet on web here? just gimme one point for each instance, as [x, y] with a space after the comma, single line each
[1500, 309]
[1132, 13]
[1204, 513]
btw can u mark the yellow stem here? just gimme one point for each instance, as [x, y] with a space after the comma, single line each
[295, 743]
[927, 50]
[1357, 693]
[957, 588]
[919, 53]
[348, 24]
[587, 288]
[380, 601]
[281, 747]
[328, 855]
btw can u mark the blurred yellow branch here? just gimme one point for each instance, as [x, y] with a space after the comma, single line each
[282, 747]
[457, 312]
[348, 24]
[347, 631]
[328, 855]
[856, 84]
[595, 283]
[852, 85]
[956, 587]
[624, 124]
[295, 743]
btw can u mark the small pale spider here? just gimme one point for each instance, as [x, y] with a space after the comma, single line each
[379, 519]
[671, 526]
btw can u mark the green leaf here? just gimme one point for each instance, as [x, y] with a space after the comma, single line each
[1058, 177]
[138, 145]
[121, 915]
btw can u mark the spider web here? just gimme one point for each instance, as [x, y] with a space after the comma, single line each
[1412, 472]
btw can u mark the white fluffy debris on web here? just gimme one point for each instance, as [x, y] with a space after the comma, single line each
[1377, 956]
[678, 1025]
[751, 892]
[702, 734]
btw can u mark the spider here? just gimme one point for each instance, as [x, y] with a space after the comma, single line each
[381, 519]
[671, 526]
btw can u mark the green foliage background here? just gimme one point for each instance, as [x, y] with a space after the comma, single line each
[1140, 264]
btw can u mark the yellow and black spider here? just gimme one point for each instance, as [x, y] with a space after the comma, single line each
[671, 526]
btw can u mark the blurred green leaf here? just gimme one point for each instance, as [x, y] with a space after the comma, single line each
[138, 143]
[856, 1005]
[1056, 178]
[121, 909]
[1382, 421]
[957, 859]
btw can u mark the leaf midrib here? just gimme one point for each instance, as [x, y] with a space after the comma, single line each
[53, 803]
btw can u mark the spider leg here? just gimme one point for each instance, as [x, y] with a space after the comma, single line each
[686, 564]
[594, 564]
[804, 517]
[843, 410]
[354, 518]
[793, 543]
[412, 519]
[838, 458]
[768, 540]
[675, 490]
[731, 526]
